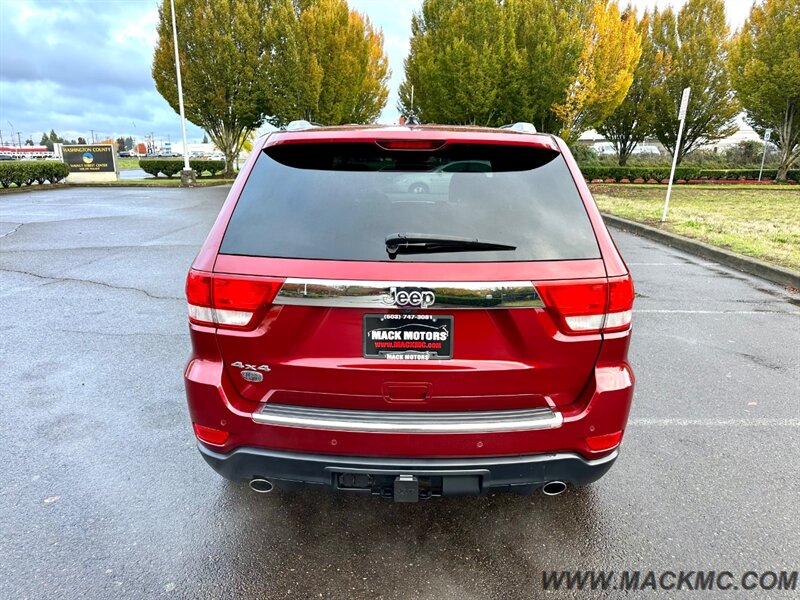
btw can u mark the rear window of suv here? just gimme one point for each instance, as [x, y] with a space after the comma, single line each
[340, 201]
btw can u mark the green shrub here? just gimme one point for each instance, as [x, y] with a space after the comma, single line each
[212, 166]
[172, 166]
[750, 174]
[167, 166]
[150, 166]
[684, 172]
[631, 173]
[26, 172]
[56, 171]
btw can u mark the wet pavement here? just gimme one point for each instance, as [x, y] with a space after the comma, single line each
[125, 174]
[103, 494]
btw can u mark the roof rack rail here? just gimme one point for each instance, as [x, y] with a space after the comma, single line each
[520, 127]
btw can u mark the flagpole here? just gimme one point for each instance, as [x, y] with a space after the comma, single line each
[186, 167]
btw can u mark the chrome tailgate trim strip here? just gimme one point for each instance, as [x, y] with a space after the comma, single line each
[448, 295]
[408, 422]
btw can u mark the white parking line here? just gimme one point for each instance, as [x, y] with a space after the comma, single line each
[716, 312]
[672, 264]
[755, 422]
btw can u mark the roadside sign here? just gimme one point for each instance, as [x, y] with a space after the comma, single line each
[682, 117]
[90, 162]
[97, 158]
[767, 133]
[684, 103]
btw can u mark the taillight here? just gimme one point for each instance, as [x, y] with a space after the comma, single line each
[589, 306]
[620, 304]
[228, 301]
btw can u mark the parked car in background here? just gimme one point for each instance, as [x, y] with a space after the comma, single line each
[351, 333]
[437, 180]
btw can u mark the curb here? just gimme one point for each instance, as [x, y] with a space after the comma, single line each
[753, 266]
[33, 188]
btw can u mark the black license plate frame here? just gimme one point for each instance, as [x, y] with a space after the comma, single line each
[401, 336]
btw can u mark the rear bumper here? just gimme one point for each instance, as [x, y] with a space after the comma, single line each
[272, 430]
[487, 473]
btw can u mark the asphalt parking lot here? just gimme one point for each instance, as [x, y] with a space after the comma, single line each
[103, 494]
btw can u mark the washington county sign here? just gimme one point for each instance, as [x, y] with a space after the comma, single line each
[95, 162]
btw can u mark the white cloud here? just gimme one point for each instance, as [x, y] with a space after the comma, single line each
[85, 64]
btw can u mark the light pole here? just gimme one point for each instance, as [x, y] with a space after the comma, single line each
[187, 176]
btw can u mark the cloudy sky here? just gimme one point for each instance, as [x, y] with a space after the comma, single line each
[82, 65]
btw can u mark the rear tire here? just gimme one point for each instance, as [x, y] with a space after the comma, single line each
[418, 188]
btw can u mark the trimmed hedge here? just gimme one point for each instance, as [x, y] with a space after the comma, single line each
[792, 175]
[685, 173]
[26, 172]
[171, 166]
[633, 173]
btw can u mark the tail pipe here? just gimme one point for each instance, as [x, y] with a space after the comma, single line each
[261, 485]
[554, 488]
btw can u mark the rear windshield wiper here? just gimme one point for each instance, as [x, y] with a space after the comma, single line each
[424, 243]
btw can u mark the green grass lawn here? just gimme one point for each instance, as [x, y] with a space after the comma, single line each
[763, 222]
[128, 163]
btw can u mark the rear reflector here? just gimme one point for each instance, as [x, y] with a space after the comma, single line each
[209, 435]
[598, 443]
[589, 306]
[228, 301]
[410, 144]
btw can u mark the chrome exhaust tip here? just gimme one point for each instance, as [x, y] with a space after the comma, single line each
[554, 488]
[261, 485]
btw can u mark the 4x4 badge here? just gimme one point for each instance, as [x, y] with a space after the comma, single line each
[240, 365]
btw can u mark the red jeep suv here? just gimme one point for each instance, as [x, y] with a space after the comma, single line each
[410, 312]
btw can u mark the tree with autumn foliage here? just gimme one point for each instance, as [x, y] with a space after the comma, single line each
[328, 64]
[455, 62]
[223, 54]
[560, 64]
[766, 74]
[632, 121]
[547, 39]
[243, 61]
[610, 53]
[692, 50]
